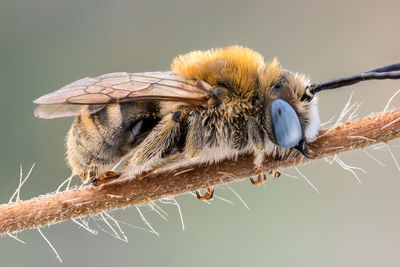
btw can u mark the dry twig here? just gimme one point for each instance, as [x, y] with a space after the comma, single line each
[61, 206]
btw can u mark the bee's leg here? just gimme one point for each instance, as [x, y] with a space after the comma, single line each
[207, 196]
[257, 166]
[163, 136]
[261, 178]
[275, 173]
[106, 177]
[110, 176]
[157, 167]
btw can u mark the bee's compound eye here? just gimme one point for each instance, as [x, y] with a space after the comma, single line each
[285, 123]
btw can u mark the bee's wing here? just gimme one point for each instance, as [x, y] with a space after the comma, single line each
[90, 95]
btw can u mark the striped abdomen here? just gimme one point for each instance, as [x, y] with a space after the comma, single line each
[97, 141]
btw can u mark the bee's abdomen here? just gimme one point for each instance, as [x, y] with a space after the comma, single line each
[97, 141]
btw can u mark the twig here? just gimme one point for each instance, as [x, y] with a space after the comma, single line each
[61, 206]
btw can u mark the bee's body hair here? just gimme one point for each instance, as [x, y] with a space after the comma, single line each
[233, 121]
[211, 105]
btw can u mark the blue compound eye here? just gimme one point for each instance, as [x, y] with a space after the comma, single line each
[285, 124]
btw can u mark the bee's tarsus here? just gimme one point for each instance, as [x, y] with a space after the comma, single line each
[207, 196]
[261, 178]
[275, 174]
[106, 178]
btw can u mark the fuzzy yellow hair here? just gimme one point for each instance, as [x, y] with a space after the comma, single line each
[239, 68]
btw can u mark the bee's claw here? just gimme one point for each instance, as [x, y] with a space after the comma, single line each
[207, 196]
[260, 179]
[106, 178]
[275, 173]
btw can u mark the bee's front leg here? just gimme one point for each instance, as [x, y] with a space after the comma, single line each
[258, 170]
[261, 178]
[257, 166]
[275, 173]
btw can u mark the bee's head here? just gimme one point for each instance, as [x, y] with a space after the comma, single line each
[292, 110]
[293, 122]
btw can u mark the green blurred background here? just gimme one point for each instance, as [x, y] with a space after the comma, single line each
[46, 44]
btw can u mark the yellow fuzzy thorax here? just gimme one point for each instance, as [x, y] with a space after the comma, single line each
[238, 68]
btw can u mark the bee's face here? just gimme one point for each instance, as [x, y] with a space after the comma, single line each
[293, 121]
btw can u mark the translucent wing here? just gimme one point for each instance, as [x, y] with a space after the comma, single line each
[64, 110]
[90, 95]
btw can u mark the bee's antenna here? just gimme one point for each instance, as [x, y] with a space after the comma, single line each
[386, 72]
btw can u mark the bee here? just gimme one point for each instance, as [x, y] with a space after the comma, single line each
[211, 105]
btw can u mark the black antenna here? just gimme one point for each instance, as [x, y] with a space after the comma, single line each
[386, 72]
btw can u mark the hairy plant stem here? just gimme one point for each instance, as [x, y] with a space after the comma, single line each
[61, 206]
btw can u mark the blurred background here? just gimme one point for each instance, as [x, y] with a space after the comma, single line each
[46, 44]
